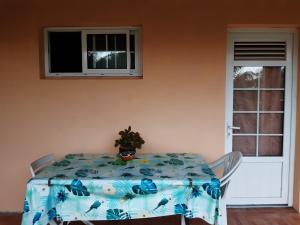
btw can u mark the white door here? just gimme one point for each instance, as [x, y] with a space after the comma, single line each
[258, 115]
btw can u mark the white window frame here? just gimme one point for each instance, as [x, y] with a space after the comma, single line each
[137, 72]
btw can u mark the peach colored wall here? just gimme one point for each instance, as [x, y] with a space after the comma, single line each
[178, 106]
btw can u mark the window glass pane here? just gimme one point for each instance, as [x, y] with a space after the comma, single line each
[271, 123]
[97, 60]
[132, 42]
[270, 146]
[272, 77]
[100, 42]
[121, 60]
[112, 60]
[246, 77]
[246, 121]
[107, 51]
[271, 101]
[89, 41]
[116, 42]
[120, 42]
[244, 144]
[132, 61]
[132, 51]
[96, 42]
[111, 42]
[96, 47]
[65, 52]
[245, 101]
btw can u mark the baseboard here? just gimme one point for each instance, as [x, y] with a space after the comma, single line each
[258, 206]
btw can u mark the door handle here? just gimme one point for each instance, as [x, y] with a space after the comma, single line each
[230, 128]
[233, 128]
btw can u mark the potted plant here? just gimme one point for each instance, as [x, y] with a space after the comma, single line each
[129, 142]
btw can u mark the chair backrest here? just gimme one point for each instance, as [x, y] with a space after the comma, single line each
[41, 163]
[229, 163]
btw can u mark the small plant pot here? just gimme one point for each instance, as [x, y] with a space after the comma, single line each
[126, 153]
[127, 150]
[126, 156]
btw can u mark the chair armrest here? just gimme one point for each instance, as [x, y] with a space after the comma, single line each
[224, 163]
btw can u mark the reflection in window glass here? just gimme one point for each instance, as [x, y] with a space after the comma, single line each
[106, 51]
[246, 77]
[270, 76]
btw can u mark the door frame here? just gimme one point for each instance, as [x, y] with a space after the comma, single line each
[294, 67]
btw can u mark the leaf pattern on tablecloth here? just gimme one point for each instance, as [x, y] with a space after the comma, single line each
[183, 209]
[77, 188]
[51, 214]
[62, 163]
[117, 214]
[36, 217]
[213, 188]
[147, 186]
[26, 206]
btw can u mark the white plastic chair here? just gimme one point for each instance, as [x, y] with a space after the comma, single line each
[41, 163]
[36, 167]
[229, 164]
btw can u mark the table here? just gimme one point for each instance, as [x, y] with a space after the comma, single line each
[103, 187]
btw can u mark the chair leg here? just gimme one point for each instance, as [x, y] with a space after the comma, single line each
[86, 222]
[183, 220]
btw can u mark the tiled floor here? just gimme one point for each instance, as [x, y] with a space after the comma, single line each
[268, 216]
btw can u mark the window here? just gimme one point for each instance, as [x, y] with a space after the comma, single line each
[92, 52]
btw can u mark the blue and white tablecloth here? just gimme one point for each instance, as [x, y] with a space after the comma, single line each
[103, 187]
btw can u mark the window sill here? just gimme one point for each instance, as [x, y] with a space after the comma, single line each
[93, 76]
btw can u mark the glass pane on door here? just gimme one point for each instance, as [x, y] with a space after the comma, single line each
[244, 144]
[244, 100]
[271, 100]
[270, 146]
[258, 109]
[246, 121]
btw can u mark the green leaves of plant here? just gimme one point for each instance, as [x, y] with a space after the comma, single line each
[129, 139]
